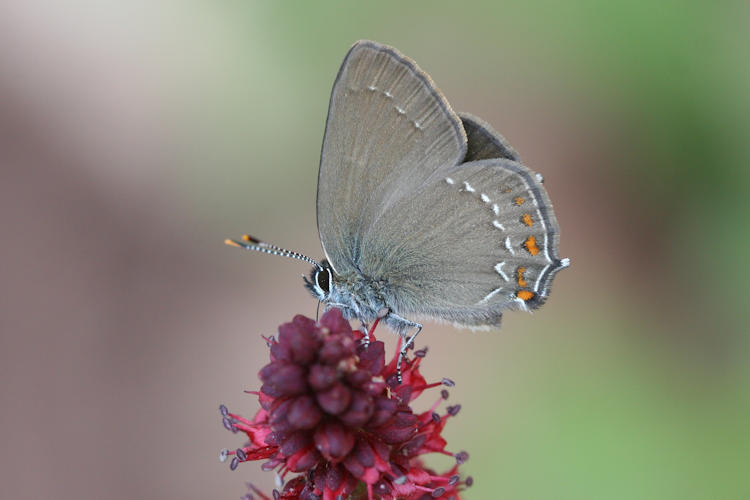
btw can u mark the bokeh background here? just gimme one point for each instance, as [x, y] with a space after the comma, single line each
[136, 136]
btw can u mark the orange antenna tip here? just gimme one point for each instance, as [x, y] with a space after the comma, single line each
[232, 243]
[250, 239]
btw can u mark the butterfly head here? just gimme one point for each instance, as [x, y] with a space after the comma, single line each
[320, 281]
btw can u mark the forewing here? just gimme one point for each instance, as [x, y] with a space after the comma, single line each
[478, 240]
[389, 131]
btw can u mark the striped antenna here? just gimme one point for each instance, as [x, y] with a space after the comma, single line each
[250, 243]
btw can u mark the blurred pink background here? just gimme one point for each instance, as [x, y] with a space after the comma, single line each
[135, 137]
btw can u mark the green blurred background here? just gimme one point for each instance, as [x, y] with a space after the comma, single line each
[135, 137]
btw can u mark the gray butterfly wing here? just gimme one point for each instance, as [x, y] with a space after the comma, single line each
[467, 246]
[484, 142]
[389, 131]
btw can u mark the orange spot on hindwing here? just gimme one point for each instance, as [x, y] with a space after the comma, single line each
[526, 219]
[530, 245]
[525, 295]
[518, 200]
[520, 276]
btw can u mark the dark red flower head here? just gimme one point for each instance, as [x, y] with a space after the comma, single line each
[333, 411]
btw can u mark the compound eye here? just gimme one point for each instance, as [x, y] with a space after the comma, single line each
[322, 278]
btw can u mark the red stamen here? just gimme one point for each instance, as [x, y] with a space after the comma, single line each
[427, 386]
[372, 328]
[258, 492]
[437, 403]
[241, 419]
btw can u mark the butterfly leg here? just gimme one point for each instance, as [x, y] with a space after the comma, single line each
[366, 330]
[408, 344]
[382, 313]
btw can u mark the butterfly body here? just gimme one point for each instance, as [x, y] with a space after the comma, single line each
[360, 297]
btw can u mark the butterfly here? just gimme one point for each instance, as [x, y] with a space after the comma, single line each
[422, 212]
